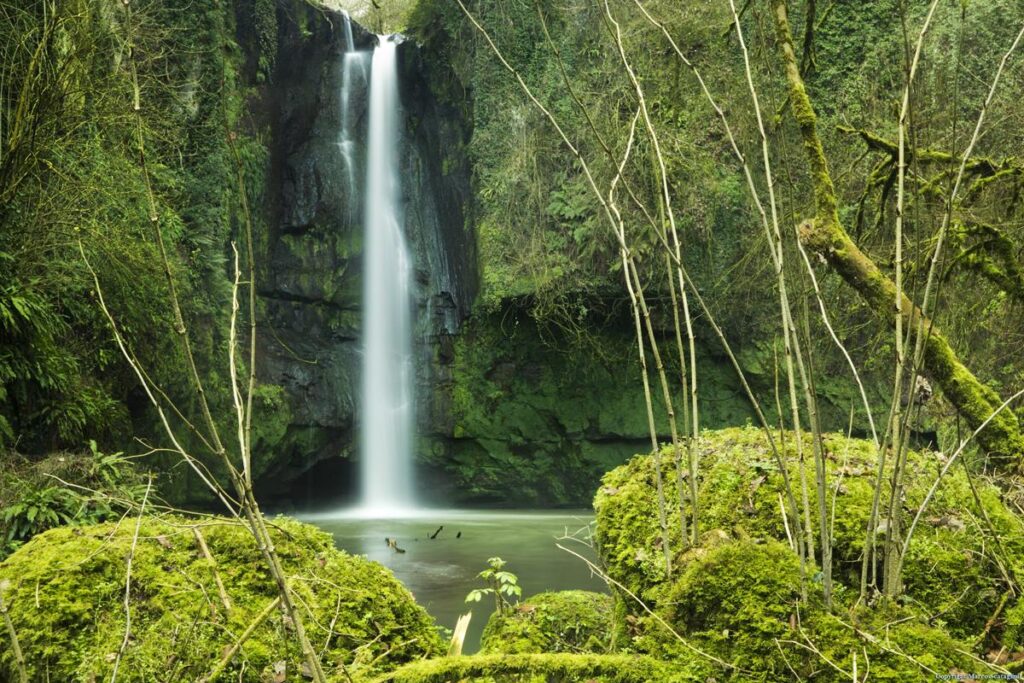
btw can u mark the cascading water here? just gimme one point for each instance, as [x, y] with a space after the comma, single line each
[353, 66]
[386, 439]
[350, 44]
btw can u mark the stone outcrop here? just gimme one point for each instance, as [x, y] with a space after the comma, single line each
[310, 283]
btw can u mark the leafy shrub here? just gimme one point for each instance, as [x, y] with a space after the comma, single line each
[65, 488]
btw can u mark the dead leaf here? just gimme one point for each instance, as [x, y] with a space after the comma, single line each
[948, 522]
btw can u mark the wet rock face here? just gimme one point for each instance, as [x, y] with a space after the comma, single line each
[310, 284]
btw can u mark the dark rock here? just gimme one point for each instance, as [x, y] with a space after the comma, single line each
[311, 272]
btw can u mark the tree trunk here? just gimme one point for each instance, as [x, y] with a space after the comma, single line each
[824, 234]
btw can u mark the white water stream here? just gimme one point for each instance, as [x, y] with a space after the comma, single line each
[353, 75]
[387, 415]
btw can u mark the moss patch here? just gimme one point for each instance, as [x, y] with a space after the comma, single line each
[65, 590]
[538, 668]
[567, 621]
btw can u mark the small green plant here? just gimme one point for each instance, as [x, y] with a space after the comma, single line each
[34, 497]
[37, 511]
[503, 585]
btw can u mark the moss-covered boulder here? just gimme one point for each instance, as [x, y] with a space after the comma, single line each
[65, 592]
[741, 593]
[566, 621]
[737, 594]
[967, 542]
[739, 602]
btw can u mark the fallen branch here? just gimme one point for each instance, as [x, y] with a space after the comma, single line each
[825, 235]
[236, 646]
[205, 550]
[976, 166]
[19, 658]
[128, 584]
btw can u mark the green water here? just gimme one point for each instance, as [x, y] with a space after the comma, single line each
[440, 572]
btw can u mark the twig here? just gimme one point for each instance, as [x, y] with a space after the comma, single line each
[19, 658]
[992, 619]
[236, 393]
[785, 524]
[229, 655]
[665, 199]
[814, 650]
[791, 345]
[205, 550]
[790, 666]
[128, 584]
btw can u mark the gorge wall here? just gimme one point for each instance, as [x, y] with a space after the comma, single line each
[509, 410]
[311, 287]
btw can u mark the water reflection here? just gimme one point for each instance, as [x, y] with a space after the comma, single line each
[441, 571]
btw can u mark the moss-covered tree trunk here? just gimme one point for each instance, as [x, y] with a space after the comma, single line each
[825, 235]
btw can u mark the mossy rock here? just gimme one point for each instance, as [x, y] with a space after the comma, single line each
[737, 588]
[566, 621]
[952, 568]
[65, 591]
[740, 602]
[738, 591]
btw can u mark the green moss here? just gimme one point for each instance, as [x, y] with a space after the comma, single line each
[568, 621]
[538, 414]
[951, 573]
[740, 603]
[270, 425]
[538, 668]
[1013, 635]
[66, 589]
[742, 592]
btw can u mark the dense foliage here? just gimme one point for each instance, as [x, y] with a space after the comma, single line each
[540, 228]
[111, 113]
[64, 488]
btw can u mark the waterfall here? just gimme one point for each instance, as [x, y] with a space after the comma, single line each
[350, 44]
[387, 424]
[353, 65]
